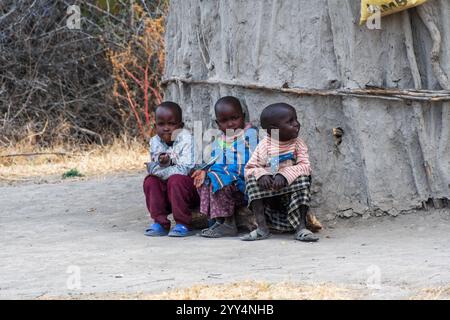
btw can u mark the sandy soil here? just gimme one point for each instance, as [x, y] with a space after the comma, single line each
[54, 234]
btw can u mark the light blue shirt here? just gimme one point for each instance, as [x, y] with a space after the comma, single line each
[181, 154]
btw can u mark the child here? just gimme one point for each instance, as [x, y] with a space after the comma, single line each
[278, 176]
[221, 185]
[168, 187]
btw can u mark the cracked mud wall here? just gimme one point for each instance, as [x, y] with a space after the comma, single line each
[394, 155]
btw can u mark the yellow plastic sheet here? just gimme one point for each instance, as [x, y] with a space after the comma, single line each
[387, 7]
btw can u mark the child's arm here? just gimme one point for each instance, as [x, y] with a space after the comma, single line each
[200, 169]
[181, 159]
[183, 153]
[199, 177]
[164, 160]
[303, 166]
[155, 151]
[256, 166]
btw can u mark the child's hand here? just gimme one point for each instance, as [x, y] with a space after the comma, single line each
[199, 177]
[164, 159]
[279, 182]
[265, 182]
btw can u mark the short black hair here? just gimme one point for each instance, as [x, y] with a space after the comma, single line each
[229, 100]
[270, 114]
[172, 106]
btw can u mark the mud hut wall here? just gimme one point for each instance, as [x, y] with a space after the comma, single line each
[393, 156]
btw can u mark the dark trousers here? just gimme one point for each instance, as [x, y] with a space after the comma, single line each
[177, 195]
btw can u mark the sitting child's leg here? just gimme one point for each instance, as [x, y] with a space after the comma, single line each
[155, 191]
[302, 223]
[284, 210]
[182, 196]
[258, 209]
[221, 206]
[262, 231]
[302, 233]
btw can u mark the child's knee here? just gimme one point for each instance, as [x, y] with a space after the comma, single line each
[179, 182]
[151, 182]
[151, 179]
[178, 178]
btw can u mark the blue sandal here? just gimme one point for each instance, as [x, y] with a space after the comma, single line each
[180, 230]
[156, 230]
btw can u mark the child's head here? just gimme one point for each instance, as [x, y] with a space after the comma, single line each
[281, 116]
[229, 114]
[168, 118]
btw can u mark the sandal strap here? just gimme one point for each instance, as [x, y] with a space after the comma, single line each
[254, 234]
[180, 228]
[213, 233]
[304, 232]
[156, 227]
[259, 232]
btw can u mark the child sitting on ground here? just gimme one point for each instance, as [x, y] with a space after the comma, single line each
[168, 186]
[278, 177]
[221, 184]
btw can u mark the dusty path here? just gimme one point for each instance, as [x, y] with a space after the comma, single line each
[97, 226]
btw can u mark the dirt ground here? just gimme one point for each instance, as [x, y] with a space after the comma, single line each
[85, 238]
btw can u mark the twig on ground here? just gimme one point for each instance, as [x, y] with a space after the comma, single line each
[34, 154]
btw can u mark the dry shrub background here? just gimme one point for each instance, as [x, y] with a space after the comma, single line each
[122, 154]
[78, 87]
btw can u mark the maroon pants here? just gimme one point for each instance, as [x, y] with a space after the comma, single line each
[177, 195]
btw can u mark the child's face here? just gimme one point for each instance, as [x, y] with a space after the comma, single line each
[229, 117]
[287, 124]
[167, 121]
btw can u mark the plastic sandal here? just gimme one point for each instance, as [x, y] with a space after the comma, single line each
[220, 230]
[210, 227]
[256, 235]
[156, 230]
[180, 230]
[306, 235]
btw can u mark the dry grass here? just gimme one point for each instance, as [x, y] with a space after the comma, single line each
[251, 290]
[123, 155]
[254, 290]
[439, 293]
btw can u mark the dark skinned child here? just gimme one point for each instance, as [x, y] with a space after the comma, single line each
[278, 177]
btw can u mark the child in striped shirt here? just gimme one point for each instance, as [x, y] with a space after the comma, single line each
[278, 177]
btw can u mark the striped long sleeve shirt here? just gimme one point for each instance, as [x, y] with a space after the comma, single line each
[271, 157]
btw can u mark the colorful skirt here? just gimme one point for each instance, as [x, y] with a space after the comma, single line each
[222, 203]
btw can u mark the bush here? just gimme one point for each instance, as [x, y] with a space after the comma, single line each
[63, 85]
